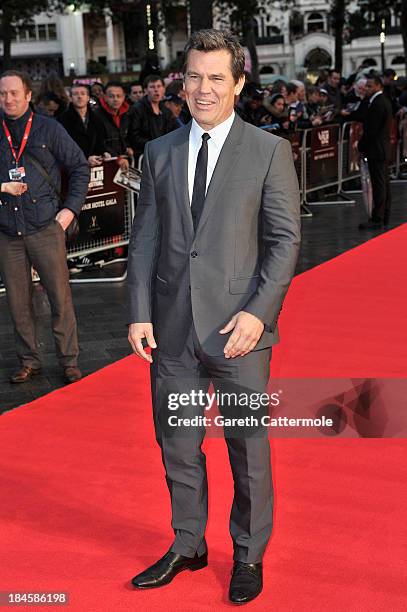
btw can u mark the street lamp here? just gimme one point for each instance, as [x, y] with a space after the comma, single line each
[382, 39]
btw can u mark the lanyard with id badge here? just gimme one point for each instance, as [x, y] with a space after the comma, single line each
[18, 173]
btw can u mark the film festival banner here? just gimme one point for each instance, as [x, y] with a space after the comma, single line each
[295, 139]
[102, 214]
[355, 134]
[324, 155]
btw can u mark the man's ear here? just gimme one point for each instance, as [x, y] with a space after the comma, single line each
[239, 85]
[29, 96]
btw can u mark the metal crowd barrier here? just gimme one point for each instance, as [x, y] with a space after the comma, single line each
[324, 156]
[327, 156]
[100, 244]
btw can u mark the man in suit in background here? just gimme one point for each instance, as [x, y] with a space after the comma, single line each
[212, 253]
[376, 116]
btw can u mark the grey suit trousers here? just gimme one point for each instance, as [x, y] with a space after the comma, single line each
[185, 464]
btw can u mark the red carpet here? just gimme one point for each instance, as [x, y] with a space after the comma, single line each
[84, 505]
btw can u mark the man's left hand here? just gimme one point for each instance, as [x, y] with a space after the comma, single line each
[247, 330]
[64, 217]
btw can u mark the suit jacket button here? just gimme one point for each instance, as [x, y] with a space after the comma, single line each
[194, 254]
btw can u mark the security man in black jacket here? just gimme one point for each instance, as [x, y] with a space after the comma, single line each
[376, 115]
[33, 148]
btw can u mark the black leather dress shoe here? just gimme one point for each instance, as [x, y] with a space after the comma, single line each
[371, 225]
[246, 582]
[167, 568]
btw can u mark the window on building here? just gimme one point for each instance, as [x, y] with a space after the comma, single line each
[42, 31]
[315, 23]
[272, 30]
[35, 33]
[52, 31]
[264, 29]
[399, 59]
[369, 61]
[31, 33]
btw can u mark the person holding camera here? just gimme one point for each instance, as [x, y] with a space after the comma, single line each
[33, 221]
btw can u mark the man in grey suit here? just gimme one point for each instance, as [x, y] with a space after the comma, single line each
[212, 253]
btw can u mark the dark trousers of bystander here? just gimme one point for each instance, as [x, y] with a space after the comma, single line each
[379, 176]
[46, 251]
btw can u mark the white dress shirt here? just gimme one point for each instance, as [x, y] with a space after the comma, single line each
[217, 139]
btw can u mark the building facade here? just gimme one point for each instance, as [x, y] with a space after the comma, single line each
[294, 43]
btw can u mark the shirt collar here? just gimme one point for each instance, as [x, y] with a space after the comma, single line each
[375, 96]
[218, 134]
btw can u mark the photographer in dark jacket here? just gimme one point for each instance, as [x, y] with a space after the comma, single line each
[150, 118]
[83, 126]
[33, 148]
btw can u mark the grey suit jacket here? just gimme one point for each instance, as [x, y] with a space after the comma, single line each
[243, 254]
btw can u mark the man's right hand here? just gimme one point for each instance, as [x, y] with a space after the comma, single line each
[15, 188]
[138, 331]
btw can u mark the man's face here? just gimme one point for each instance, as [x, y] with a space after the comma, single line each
[283, 92]
[96, 90]
[114, 97]
[14, 99]
[210, 87]
[174, 108]
[292, 97]
[79, 97]
[155, 91]
[360, 89]
[371, 88]
[301, 94]
[255, 103]
[313, 97]
[334, 79]
[136, 93]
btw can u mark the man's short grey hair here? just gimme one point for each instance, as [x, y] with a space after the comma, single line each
[299, 84]
[217, 40]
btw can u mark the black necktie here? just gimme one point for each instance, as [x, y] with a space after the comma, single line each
[199, 191]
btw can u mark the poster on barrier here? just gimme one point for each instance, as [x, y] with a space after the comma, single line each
[102, 214]
[355, 134]
[324, 154]
[131, 179]
[295, 139]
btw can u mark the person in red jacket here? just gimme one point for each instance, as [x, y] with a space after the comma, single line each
[113, 112]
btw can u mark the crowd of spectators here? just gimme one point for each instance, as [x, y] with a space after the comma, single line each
[115, 120]
[284, 107]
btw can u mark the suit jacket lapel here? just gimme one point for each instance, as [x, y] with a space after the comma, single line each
[179, 165]
[226, 161]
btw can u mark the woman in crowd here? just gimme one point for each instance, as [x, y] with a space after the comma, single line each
[276, 119]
